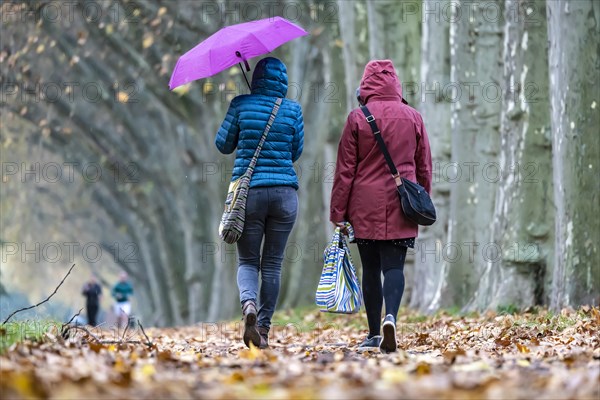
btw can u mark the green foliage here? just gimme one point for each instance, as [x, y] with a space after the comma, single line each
[309, 317]
[508, 309]
[27, 330]
[560, 322]
[453, 311]
[547, 320]
[416, 318]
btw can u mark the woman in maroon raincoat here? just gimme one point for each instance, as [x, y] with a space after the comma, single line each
[364, 193]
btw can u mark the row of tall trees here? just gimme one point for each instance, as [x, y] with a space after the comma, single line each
[155, 206]
[507, 88]
[524, 215]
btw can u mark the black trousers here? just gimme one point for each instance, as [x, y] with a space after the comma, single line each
[382, 256]
[92, 313]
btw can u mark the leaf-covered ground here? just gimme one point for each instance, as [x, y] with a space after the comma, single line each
[313, 355]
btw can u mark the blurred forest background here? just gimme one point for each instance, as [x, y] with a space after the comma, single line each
[104, 167]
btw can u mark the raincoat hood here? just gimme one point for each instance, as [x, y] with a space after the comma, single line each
[270, 78]
[380, 81]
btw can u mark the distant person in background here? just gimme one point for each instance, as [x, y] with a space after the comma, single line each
[122, 293]
[93, 293]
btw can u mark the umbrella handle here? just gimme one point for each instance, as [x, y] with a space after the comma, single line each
[245, 77]
[237, 53]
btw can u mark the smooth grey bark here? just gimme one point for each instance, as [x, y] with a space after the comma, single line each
[574, 34]
[376, 33]
[435, 109]
[302, 268]
[476, 59]
[522, 232]
[347, 22]
[395, 34]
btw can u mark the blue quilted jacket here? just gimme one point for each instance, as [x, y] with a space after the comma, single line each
[245, 123]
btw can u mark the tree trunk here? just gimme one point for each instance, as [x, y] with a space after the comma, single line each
[143, 126]
[435, 109]
[574, 34]
[476, 51]
[395, 34]
[312, 65]
[349, 51]
[523, 223]
[376, 11]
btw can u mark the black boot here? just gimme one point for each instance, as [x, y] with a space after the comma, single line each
[251, 334]
[264, 336]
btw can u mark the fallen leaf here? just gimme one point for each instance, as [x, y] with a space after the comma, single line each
[503, 342]
[451, 355]
[522, 348]
[235, 377]
[95, 346]
[164, 355]
[472, 367]
[394, 375]
[523, 363]
[423, 368]
[251, 354]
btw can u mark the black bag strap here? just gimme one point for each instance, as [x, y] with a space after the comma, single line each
[386, 154]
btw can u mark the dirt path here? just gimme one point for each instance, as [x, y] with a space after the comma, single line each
[501, 357]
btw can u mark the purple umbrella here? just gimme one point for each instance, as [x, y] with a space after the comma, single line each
[233, 45]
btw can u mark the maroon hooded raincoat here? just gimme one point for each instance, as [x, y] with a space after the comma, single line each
[364, 192]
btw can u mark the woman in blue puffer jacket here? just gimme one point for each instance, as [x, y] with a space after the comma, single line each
[272, 202]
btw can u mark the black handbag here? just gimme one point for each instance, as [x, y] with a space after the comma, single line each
[414, 199]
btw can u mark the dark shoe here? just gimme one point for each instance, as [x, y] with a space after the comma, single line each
[370, 344]
[263, 331]
[251, 334]
[388, 343]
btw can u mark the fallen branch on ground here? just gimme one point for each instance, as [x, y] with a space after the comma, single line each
[97, 339]
[63, 331]
[81, 328]
[67, 327]
[148, 341]
[41, 302]
[73, 317]
[126, 327]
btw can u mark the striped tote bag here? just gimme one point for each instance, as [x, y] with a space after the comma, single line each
[339, 289]
[234, 215]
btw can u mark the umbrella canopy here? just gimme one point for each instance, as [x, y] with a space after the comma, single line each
[232, 45]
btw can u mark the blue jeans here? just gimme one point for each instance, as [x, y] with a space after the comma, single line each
[270, 215]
